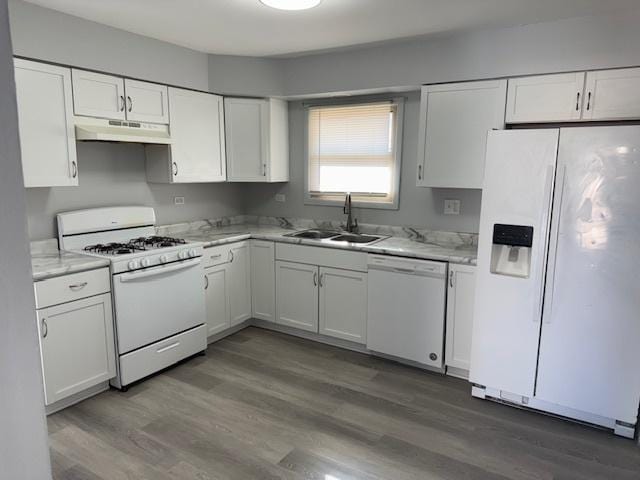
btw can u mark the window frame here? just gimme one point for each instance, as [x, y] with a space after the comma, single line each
[337, 200]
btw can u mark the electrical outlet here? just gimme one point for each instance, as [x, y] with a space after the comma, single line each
[280, 197]
[178, 200]
[452, 207]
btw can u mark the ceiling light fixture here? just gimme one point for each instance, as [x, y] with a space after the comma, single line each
[291, 4]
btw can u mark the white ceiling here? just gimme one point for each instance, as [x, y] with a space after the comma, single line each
[246, 27]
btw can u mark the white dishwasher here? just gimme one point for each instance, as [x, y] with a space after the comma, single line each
[406, 303]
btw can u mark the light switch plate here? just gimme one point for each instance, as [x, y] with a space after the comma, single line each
[452, 207]
[280, 197]
[178, 200]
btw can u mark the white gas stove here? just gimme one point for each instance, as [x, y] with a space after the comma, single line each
[157, 285]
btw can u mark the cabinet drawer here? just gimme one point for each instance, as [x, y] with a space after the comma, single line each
[213, 256]
[325, 257]
[71, 287]
[155, 357]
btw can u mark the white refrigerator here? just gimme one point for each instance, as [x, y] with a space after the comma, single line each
[557, 312]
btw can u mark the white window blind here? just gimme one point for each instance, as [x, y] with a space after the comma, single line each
[352, 148]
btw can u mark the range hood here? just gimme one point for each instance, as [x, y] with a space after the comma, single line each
[103, 130]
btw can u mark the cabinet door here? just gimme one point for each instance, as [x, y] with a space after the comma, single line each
[452, 113]
[297, 295]
[247, 128]
[239, 283]
[263, 280]
[460, 298]
[76, 346]
[98, 95]
[197, 134]
[146, 102]
[343, 304]
[45, 116]
[612, 95]
[217, 298]
[545, 98]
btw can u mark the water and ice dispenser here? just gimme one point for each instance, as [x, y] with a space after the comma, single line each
[511, 250]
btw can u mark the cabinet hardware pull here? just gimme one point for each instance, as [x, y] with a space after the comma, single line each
[315, 279]
[419, 172]
[122, 103]
[264, 169]
[74, 171]
[231, 256]
[206, 282]
[589, 101]
[451, 274]
[213, 257]
[78, 286]
[45, 328]
[578, 101]
[175, 169]
[321, 277]
[130, 102]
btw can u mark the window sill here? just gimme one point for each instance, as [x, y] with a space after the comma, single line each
[314, 200]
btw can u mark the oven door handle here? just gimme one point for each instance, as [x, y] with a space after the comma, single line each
[129, 277]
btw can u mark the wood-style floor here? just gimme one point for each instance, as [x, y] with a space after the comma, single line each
[264, 405]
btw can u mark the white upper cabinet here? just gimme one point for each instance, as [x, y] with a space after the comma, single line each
[545, 98]
[98, 95]
[257, 140]
[454, 121]
[612, 94]
[343, 304]
[45, 116]
[116, 98]
[460, 299]
[196, 154]
[146, 102]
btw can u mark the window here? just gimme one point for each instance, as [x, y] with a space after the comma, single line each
[354, 148]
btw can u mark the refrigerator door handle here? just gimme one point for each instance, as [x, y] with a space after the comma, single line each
[544, 240]
[553, 250]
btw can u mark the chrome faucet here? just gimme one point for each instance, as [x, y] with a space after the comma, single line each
[352, 223]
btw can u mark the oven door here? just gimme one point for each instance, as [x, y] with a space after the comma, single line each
[158, 302]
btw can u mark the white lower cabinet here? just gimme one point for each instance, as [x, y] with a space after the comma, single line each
[297, 295]
[76, 346]
[239, 274]
[227, 271]
[343, 304]
[217, 299]
[263, 280]
[460, 299]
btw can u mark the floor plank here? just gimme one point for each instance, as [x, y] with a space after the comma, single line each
[264, 405]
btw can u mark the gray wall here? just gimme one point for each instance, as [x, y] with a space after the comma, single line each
[114, 174]
[246, 76]
[418, 206]
[24, 451]
[580, 43]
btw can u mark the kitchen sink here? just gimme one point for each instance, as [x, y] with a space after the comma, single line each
[355, 238]
[314, 234]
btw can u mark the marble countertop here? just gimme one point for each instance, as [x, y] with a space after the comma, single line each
[47, 261]
[404, 247]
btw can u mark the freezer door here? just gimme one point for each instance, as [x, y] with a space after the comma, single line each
[518, 184]
[590, 343]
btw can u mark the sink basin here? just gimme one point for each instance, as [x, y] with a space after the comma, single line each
[315, 234]
[355, 238]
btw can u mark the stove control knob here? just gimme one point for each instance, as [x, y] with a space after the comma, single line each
[133, 264]
[193, 252]
[145, 262]
[182, 255]
[164, 259]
